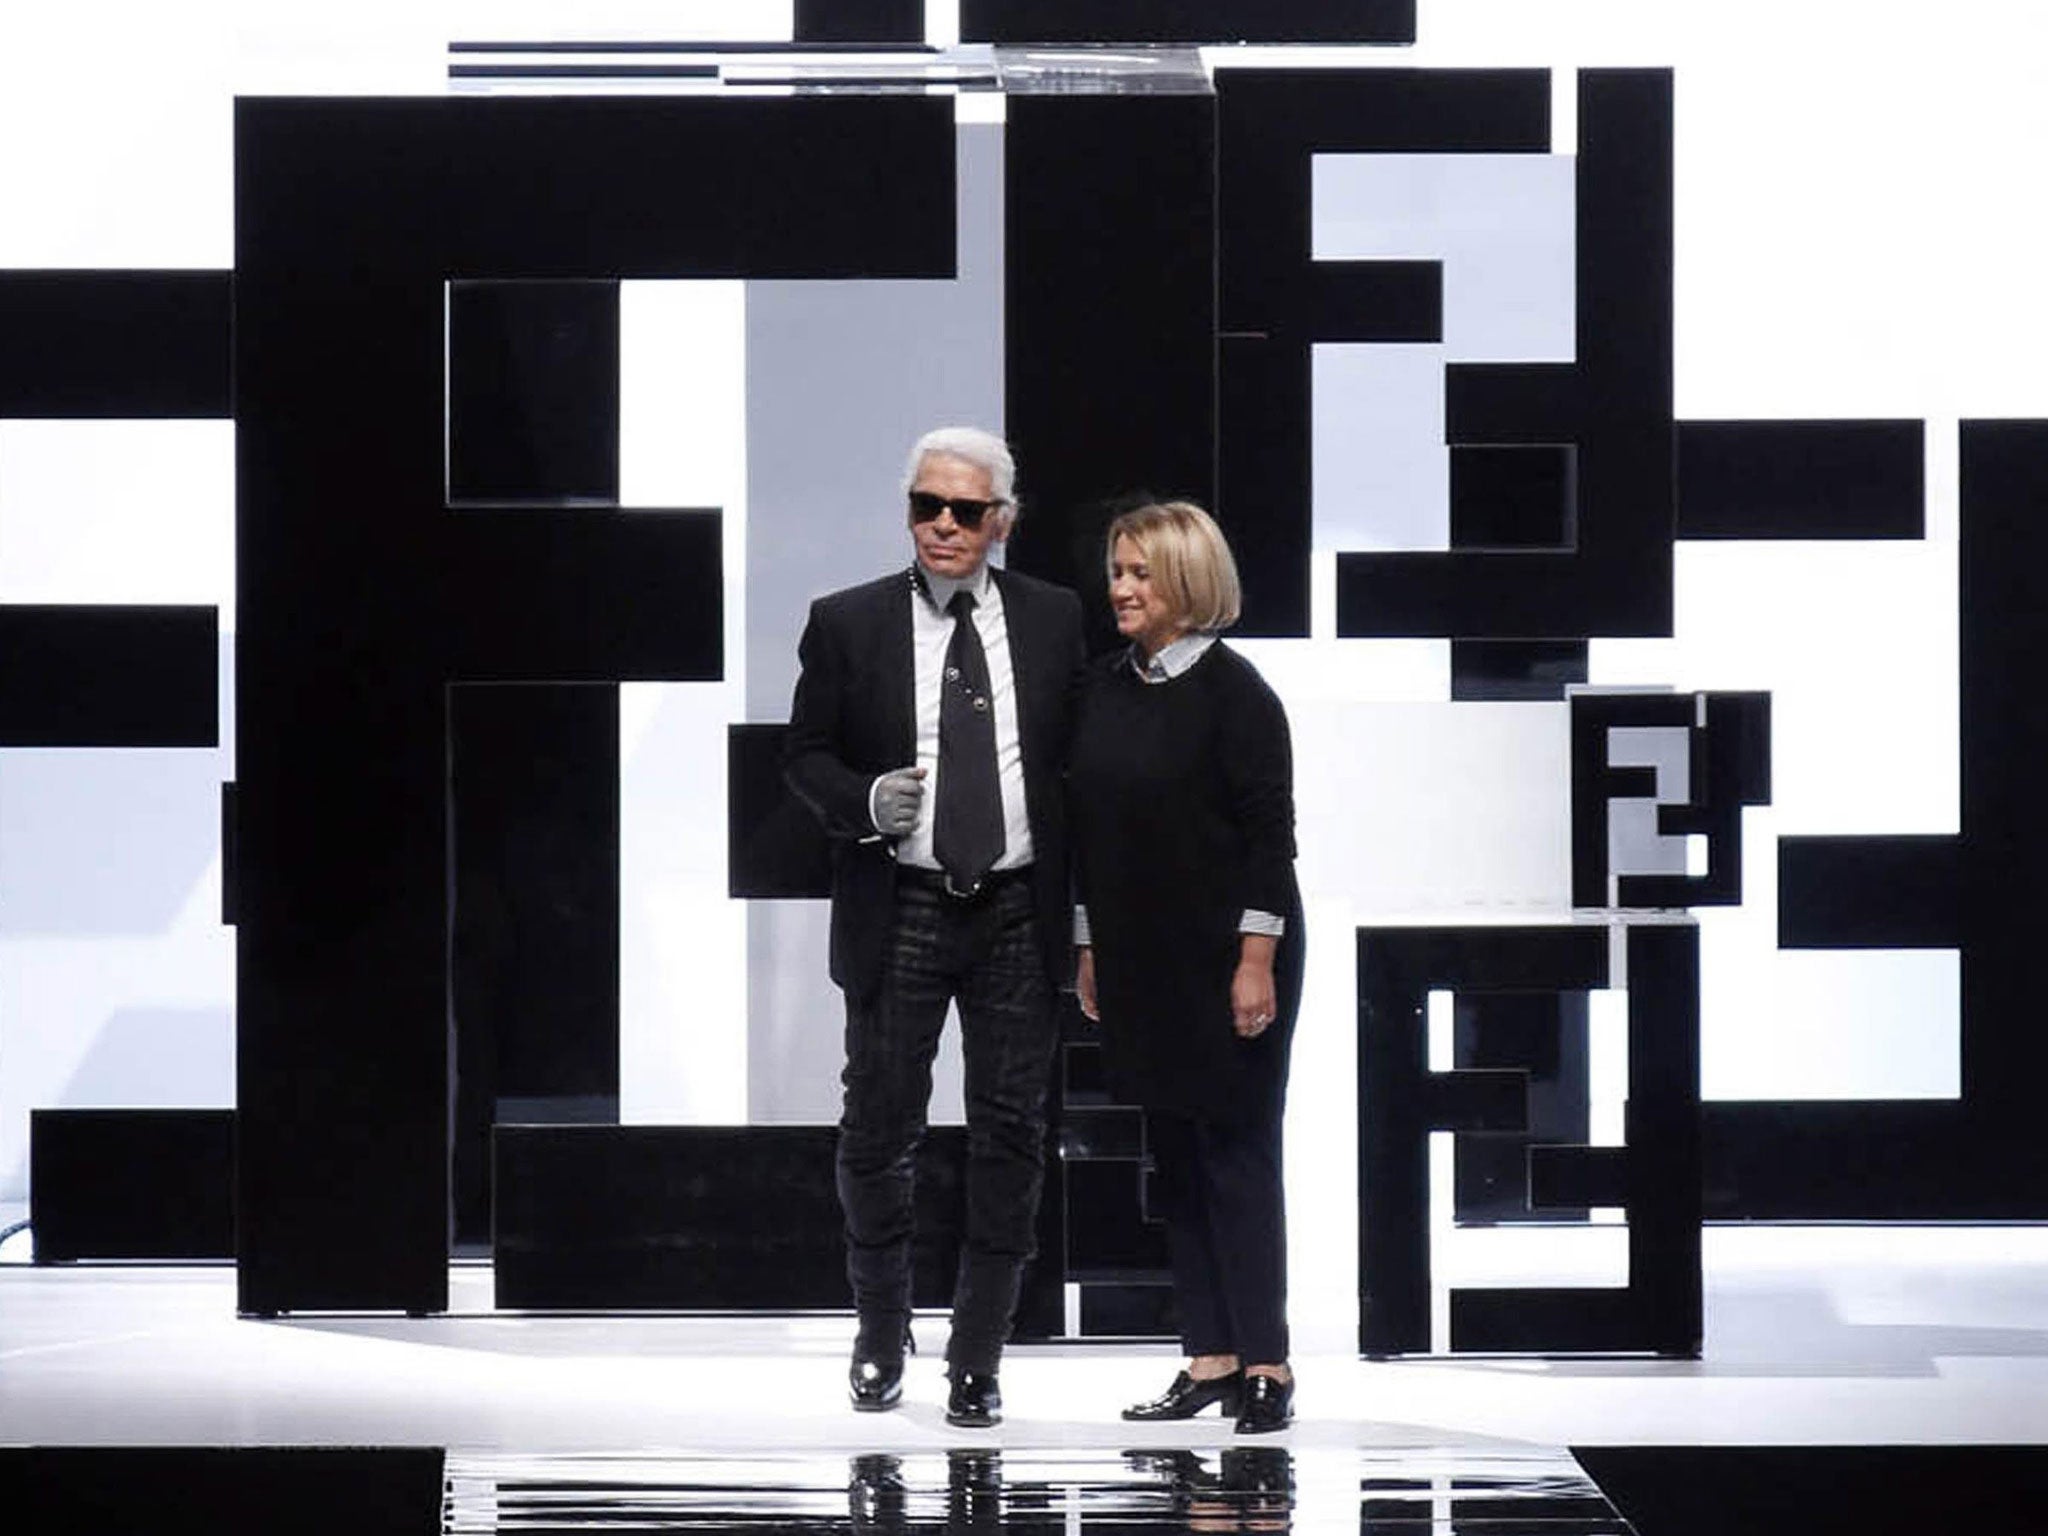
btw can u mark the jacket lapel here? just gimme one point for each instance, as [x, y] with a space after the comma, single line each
[1017, 619]
[896, 664]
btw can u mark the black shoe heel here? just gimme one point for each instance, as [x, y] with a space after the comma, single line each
[1188, 1397]
[1268, 1405]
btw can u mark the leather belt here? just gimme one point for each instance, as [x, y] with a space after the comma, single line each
[938, 880]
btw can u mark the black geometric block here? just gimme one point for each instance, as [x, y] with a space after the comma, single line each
[1087, 1082]
[1855, 1160]
[1109, 360]
[1595, 781]
[1112, 1249]
[1515, 669]
[88, 676]
[697, 1217]
[229, 862]
[775, 848]
[1476, 1099]
[858, 21]
[1511, 405]
[1371, 301]
[1262, 465]
[1743, 722]
[1611, 407]
[1513, 497]
[1576, 1177]
[121, 345]
[1042, 1298]
[1728, 767]
[315, 1491]
[1552, 1514]
[1128, 1310]
[2003, 654]
[633, 192]
[1689, 1489]
[1870, 892]
[533, 392]
[662, 618]
[572, 47]
[1389, 1502]
[1276, 302]
[362, 596]
[1661, 1308]
[533, 812]
[132, 1184]
[1109, 1236]
[1802, 480]
[545, 71]
[1542, 1039]
[1975, 1157]
[1185, 21]
[1105, 1130]
[1400, 1101]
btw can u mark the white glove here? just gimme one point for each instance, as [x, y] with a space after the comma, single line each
[894, 800]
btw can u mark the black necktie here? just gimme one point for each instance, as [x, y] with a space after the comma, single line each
[967, 823]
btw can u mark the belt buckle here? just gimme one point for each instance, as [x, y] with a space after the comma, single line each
[946, 884]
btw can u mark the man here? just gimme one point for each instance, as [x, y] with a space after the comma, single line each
[927, 732]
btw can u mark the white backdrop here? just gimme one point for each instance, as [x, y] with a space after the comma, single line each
[1857, 235]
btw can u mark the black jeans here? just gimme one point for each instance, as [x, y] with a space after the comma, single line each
[1219, 1183]
[984, 955]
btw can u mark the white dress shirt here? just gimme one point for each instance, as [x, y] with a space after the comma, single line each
[931, 630]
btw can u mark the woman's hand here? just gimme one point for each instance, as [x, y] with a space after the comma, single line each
[1252, 999]
[1084, 981]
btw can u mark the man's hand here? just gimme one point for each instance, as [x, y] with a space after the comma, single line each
[1084, 982]
[895, 799]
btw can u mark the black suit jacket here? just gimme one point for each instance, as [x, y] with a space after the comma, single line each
[854, 717]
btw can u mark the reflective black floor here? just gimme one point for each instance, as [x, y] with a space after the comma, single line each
[1482, 1488]
[1253, 1488]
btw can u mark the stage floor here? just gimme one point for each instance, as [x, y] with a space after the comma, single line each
[1815, 1335]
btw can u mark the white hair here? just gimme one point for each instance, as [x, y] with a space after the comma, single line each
[984, 450]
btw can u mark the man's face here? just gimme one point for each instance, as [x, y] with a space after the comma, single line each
[945, 545]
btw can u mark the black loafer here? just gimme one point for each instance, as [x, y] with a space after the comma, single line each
[1268, 1405]
[875, 1379]
[874, 1382]
[975, 1402]
[1188, 1397]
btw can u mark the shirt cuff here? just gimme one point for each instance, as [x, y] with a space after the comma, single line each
[874, 784]
[1081, 934]
[1255, 921]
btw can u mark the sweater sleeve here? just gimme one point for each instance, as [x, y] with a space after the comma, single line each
[1258, 777]
[811, 764]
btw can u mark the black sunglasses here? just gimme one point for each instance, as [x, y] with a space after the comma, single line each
[925, 507]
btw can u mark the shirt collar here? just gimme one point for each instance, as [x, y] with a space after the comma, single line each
[1173, 658]
[939, 590]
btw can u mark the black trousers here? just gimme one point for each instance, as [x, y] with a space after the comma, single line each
[1219, 1184]
[984, 955]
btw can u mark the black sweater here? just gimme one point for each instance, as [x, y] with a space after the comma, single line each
[1182, 817]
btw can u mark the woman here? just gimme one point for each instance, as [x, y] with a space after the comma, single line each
[1190, 934]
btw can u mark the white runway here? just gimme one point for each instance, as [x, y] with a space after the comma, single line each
[1821, 1335]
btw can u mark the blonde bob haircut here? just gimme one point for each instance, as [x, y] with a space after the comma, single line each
[1190, 562]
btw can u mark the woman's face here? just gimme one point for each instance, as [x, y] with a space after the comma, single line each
[1143, 614]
